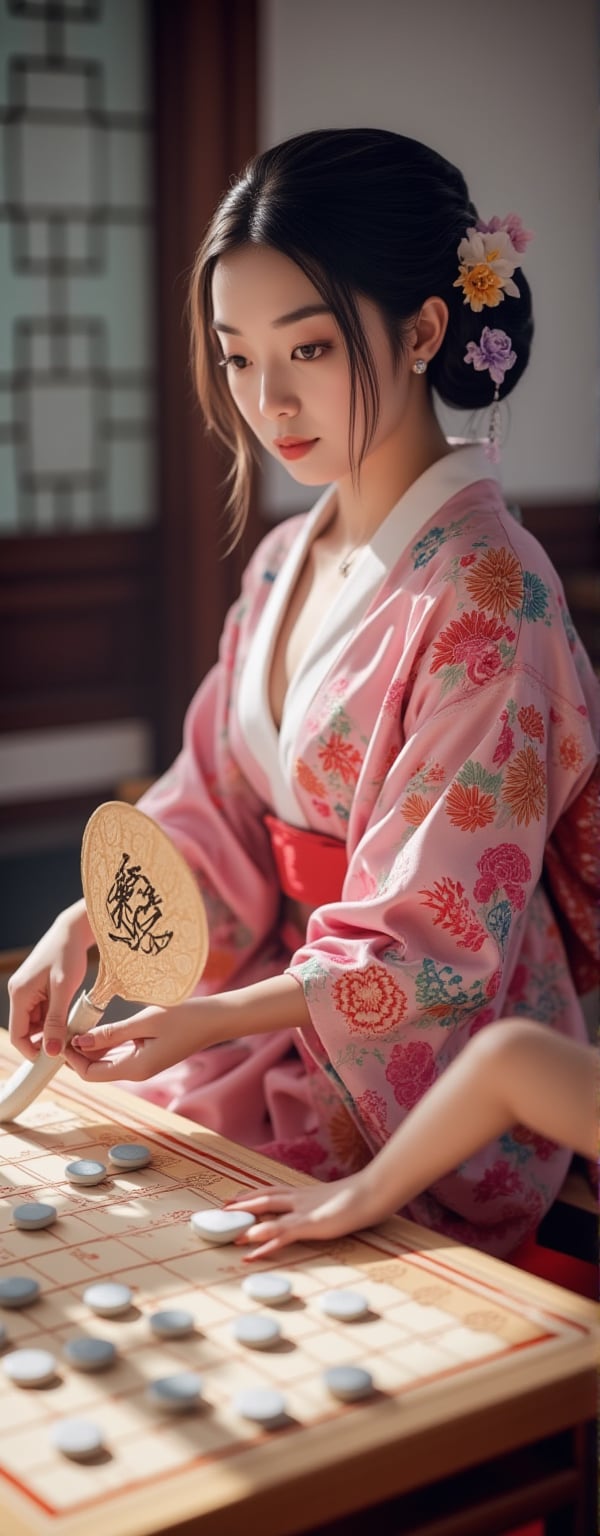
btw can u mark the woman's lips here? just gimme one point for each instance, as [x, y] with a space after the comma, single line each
[295, 447]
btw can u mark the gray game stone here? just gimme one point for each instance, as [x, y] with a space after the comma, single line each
[89, 1354]
[177, 1393]
[18, 1291]
[33, 1215]
[128, 1155]
[85, 1170]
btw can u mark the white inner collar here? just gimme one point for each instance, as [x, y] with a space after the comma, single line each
[371, 563]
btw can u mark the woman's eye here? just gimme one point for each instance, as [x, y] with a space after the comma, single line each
[311, 351]
[236, 361]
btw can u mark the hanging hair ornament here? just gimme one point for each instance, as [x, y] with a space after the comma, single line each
[488, 256]
[494, 353]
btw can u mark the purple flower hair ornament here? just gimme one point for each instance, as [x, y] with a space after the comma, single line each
[494, 353]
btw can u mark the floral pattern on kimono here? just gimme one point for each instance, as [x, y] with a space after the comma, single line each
[452, 734]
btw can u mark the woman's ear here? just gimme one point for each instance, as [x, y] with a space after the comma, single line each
[429, 329]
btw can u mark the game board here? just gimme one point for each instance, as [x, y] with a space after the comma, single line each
[444, 1335]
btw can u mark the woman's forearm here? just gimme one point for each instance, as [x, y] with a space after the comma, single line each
[514, 1072]
[76, 918]
[277, 1003]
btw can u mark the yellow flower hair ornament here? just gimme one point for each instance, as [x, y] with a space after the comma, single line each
[488, 256]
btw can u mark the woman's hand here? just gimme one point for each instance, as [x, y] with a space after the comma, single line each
[138, 1047]
[41, 990]
[311, 1214]
[156, 1038]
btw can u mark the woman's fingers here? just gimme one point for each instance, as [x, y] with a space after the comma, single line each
[268, 1236]
[27, 1047]
[273, 1245]
[307, 1215]
[103, 1037]
[25, 1017]
[138, 1047]
[273, 1200]
[265, 1229]
[114, 1065]
[55, 1020]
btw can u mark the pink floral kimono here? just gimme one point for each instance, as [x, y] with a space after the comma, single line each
[442, 724]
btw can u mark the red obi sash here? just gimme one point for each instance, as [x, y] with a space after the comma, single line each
[310, 865]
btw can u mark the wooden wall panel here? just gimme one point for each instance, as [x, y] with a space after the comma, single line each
[78, 629]
[571, 536]
[112, 625]
[206, 95]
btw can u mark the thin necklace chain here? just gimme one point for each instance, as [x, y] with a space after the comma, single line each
[344, 565]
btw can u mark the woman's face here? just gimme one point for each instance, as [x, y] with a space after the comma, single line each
[287, 367]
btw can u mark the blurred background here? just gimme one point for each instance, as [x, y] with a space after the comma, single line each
[122, 122]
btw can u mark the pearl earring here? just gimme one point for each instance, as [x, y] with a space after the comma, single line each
[419, 366]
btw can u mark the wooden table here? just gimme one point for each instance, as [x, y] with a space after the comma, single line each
[485, 1376]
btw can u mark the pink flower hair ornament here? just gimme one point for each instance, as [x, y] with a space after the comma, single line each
[513, 225]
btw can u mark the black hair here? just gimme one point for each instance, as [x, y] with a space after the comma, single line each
[363, 212]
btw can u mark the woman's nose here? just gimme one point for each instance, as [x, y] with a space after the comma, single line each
[276, 398]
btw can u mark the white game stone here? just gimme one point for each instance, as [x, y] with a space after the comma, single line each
[255, 1331]
[107, 1298]
[18, 1291]
[348, 1382]
[177, 1393]
[173, 1323]
[89, 1354]
[33, 1215]
[77, 1438]
[85, 1170]
[29, 1367]
[269, 1286]
[345, 1306]
[128, 1155]
[221, 1226]
[263, 1405]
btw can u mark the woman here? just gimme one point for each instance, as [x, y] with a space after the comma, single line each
[390, 767]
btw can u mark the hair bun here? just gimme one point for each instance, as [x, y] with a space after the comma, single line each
[461, 385]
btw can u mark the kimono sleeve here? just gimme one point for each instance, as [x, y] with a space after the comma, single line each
[441, 887]
[213, 815]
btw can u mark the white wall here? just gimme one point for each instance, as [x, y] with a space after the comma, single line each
[508, 92]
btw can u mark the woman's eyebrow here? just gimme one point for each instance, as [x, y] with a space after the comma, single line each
[294, 315]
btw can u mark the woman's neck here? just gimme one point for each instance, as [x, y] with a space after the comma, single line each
[386, 473]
